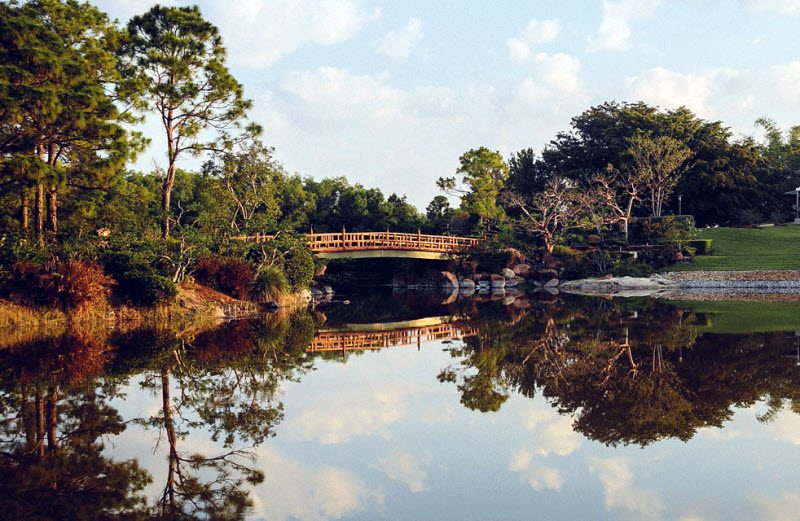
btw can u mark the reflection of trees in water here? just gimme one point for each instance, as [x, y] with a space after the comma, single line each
[225, 383]
[56, 410]
[54, 418]
[627, 372]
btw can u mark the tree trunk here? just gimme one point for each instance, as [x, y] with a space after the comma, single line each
[52, 421]
[168, 498]
[53, 209]
[39, 405]
[40, 213]
[26, 205]
[166, 197]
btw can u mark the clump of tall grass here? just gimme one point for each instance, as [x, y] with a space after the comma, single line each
[269, 284]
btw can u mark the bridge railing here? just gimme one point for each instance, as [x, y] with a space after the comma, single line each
[360, 241]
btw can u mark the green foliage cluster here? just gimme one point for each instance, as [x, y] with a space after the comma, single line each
[670, 228]
[269, 284]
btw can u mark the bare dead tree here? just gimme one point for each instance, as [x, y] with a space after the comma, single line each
[550, 213]
[618, 192]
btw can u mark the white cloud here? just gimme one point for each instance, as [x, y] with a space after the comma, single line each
[399, 44]
[777, 6]
[554, 76]
[787, 82]
[330, 91]
[615, 27]
[258, 33]
[617, 480]
[520, 47]
[376, 133]
[404, 467]
[707, 93]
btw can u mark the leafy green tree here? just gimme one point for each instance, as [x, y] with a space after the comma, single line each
[402, 215]
[73, 99]
[483, 175]
[439, 214]
[249, 179]
[719, 177]
[179, 60]
[526, 175]
[658, 161]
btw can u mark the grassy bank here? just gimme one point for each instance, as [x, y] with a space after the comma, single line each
[746, 317]
[768, 248]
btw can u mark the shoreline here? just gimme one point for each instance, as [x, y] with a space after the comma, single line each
[195, 309]
[761, 285]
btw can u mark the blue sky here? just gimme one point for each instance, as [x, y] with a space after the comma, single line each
[390, 94]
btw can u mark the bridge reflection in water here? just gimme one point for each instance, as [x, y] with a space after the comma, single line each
[363, 337]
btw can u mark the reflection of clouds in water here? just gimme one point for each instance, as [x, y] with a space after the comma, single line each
[552, 432]
[784, 507]
[539, 477]
[406, 468]
[785, 427]
[351, 413]
[552, 435]
[437, 413]
[616, 477]
[292, 490]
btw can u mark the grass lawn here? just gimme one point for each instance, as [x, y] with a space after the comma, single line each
[746, 317]
[768, 248]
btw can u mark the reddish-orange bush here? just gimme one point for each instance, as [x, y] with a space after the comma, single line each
[70, 284]
[77, 283]
[230, 276]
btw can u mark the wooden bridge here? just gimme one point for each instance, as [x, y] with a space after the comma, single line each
[363, 337]
[379, 244]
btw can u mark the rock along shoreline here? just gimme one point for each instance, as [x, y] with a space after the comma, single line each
[722, 285]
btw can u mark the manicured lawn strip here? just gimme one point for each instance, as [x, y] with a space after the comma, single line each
[768, 248]
[746, 317]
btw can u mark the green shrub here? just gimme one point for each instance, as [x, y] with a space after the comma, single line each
[290, 254]
[269, 284]
[702, 246]
[298, 266]
[145, 288]
[632, 269]
[747, 217]
[652, 230]
[565, 253]
[659, 256]
[594, 264]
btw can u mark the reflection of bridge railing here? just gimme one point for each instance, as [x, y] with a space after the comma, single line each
[379, 339]
[364, 241]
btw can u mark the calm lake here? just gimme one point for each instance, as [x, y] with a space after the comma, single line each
[414, 407]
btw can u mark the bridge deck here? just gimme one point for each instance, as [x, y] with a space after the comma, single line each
[376, 241]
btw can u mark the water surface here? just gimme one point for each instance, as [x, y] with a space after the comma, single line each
[414, 407]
